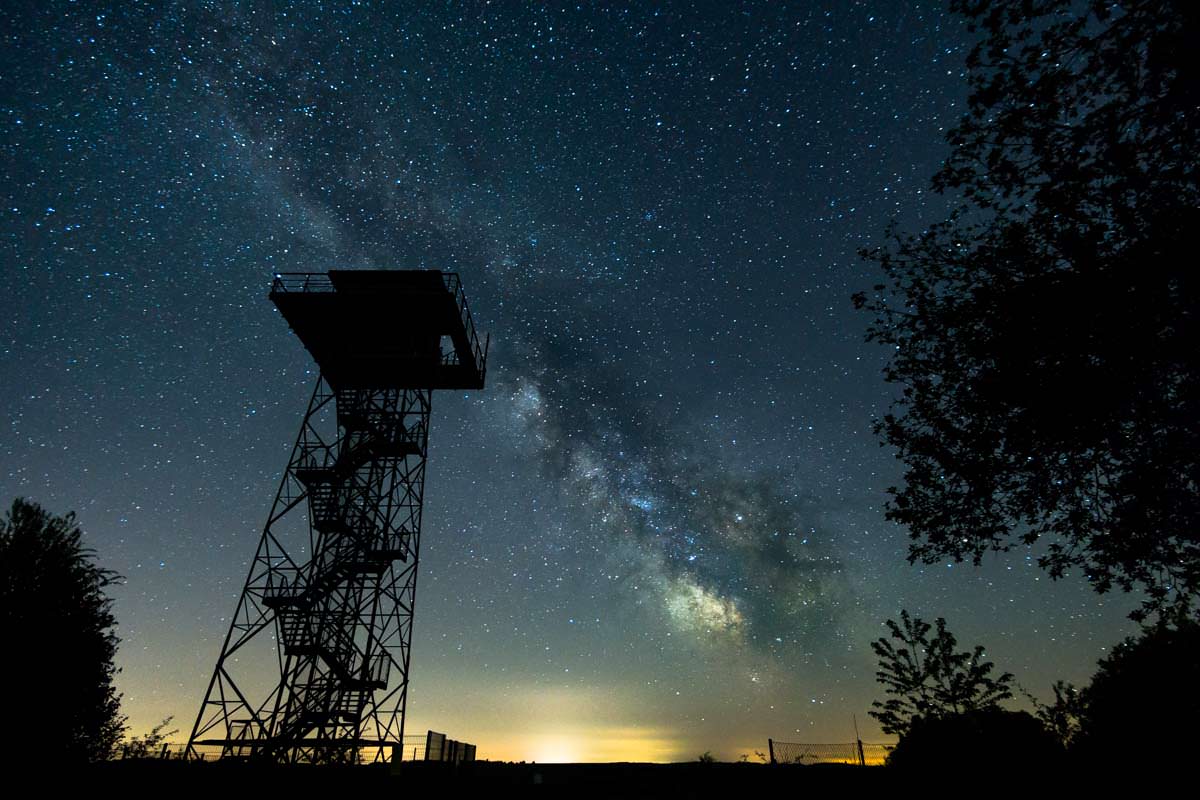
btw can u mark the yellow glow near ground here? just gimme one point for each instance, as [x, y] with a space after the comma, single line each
[595, 745]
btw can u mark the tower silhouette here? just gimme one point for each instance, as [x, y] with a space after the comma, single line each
[315, 665]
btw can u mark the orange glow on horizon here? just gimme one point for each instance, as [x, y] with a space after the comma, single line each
[590, 746]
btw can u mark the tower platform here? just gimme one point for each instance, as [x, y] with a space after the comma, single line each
[384, 329]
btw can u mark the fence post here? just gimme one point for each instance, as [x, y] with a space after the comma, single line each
[397, 758]
[862, 759]
[771, 749]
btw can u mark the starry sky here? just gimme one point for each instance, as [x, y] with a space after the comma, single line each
[659, 530]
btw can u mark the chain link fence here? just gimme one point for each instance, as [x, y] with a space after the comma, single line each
[857, 753]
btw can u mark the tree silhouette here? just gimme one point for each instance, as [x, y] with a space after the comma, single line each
[59, 646]
[929, 679]
[1044, 333]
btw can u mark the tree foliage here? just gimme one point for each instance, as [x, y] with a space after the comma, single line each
[1044, 333]
[928, 677]
[57, 622]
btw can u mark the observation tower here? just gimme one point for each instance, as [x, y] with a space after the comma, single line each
[315, 665]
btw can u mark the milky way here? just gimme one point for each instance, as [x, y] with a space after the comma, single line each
[728, 555]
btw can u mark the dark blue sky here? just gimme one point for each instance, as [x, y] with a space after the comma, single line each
[659, 530]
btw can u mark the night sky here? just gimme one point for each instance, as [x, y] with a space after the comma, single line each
[659, 530]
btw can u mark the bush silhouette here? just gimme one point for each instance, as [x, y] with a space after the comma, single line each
[983, 736]
[150, 745]
[57, 623]
[1145, 688]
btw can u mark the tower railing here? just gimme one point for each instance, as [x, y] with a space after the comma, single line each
[302, 282]
[454, 286]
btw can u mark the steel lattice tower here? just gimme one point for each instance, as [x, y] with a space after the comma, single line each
[329, 599]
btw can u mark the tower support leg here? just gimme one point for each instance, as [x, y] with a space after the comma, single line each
[327, 609]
